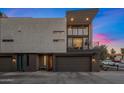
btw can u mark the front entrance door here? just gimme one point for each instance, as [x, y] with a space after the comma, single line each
[46, 62]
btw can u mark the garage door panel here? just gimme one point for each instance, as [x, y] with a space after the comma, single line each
[75, 67]
[73, 63]
[71, 68]
[73, 59]
[6, 64]
[68, 63]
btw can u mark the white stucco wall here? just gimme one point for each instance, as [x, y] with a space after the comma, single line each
[36, 35]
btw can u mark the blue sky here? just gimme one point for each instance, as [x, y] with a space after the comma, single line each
[108, 25]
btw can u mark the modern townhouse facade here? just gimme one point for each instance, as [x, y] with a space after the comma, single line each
[51, 44]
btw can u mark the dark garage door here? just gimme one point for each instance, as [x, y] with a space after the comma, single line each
[6, 64]
[73, 64]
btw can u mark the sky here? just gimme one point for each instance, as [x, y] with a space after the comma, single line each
[108, 25]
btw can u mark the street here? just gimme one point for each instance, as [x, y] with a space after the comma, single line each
[103, 77]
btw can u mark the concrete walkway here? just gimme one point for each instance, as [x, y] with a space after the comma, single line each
[103, 77]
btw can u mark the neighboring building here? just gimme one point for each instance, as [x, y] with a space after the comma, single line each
[52, 44]
[118, 57]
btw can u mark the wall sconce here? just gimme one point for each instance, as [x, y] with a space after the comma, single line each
[72, 19]
[13, 60]
[93, 60]
[87, 19]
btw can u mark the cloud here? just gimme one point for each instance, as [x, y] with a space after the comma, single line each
[102, 39]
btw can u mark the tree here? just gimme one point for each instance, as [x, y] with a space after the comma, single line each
[113, 51]
[1, 14]
[103, 52]
[112, 57]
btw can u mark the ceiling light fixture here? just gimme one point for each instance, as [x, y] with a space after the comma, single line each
[72, 19]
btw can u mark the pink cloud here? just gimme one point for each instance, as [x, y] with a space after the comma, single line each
[102, 39]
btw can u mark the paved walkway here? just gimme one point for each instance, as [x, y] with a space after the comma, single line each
[103, 77]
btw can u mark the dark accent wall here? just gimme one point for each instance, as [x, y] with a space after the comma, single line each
[33, 58]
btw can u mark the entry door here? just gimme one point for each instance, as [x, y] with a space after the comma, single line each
[45, 62]
[22, 61]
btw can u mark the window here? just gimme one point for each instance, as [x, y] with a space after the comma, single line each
[80, 31]
[69, 31]
[77, 43]
[86, 43]
[7, 40]
[57, 40]
[70, 43]
[85, 31]
[58, 32]
[75, 31]
[78, 37]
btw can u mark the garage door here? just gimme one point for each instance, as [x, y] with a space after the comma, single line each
[6, 64]
[73, 64]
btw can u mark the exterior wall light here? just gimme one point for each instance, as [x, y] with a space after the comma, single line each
[72, 19]
[93, 60]
[14, 60]
[87, 18]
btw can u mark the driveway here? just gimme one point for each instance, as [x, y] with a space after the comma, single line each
[103, 77]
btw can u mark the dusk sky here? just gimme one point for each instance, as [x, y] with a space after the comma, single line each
[108, 25]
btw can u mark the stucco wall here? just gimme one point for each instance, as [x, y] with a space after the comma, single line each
[32, 35]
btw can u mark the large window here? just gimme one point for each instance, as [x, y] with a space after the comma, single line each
[78, 43]
[78, 37]
[75, 43]
[78, 31]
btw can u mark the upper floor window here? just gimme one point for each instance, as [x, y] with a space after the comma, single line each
[85, 30]
[78, 30]
[75, 31]
[70, 31]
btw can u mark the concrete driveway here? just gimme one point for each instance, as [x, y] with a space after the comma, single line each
[103, 77]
